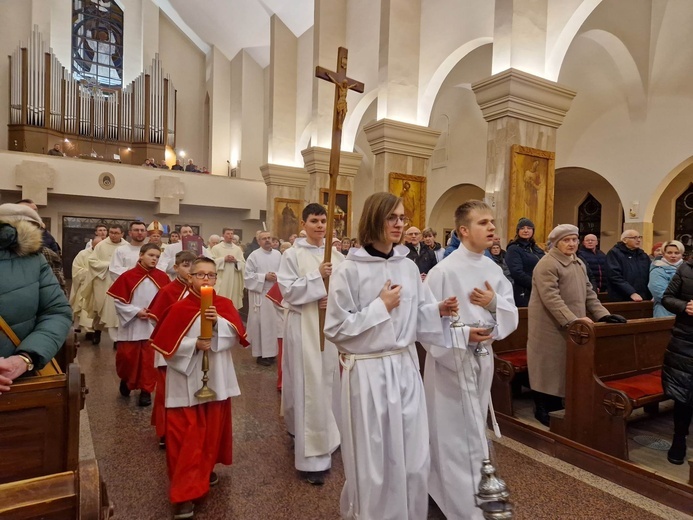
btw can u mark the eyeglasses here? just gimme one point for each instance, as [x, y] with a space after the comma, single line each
[202, 276]
[634, 238]
[392, 219]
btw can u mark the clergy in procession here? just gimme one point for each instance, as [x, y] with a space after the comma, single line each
[100, 231]
[133, 292]
[458, 381]
[230, 266]
[126, 257]
[377, 308]
[198, 433]
[168, 257]
[103, 309]
[264, 320]
[170, 294]
[80, 278]
[310, 376]
[154, 233]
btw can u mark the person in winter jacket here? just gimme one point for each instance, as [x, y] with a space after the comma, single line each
[661, 273]
[595, 260]
[495, 253]
[677, 370]
[422, 255]
[522, 255]
[429, 238]
[628, 269]
[42, 321]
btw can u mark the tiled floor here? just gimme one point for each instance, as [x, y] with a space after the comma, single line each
[262, 484]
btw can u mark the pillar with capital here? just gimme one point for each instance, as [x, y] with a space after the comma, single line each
[286, 187]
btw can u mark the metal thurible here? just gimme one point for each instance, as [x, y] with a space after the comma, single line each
[493, 494]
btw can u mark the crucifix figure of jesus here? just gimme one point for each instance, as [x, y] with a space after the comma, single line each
[342, 85]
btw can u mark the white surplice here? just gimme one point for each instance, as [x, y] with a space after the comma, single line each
[383, 418]
[230, 281]
[458, 383]
[132, 328]
[308, 375]
[168, 258]
[124, 259]
[264, 319]
[99, 262]
[80, 277]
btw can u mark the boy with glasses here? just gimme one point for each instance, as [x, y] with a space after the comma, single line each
[198, 433]
[628, 269]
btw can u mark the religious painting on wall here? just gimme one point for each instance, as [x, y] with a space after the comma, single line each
[342, 211]
[683, 219]
[412, 189]
[287, 217]
[531, 190]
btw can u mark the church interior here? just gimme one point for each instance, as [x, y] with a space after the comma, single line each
[461, 99]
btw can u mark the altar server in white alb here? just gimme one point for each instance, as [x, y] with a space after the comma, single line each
[377, 308]
[230, 266]
[310, 376]
[264, 320]
[458, 381]
[126, 257]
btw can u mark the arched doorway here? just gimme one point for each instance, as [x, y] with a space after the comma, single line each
[673, 212]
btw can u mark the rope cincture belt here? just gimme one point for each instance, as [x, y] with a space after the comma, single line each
[347, 361]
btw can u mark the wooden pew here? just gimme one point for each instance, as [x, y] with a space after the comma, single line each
[510, 354]
[610, 371]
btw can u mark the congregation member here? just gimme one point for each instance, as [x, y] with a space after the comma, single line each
[198, 433]
[376, 310]
[495, 253]
[213, 240]
[80, 278]
[521, 258]
[41, 323]
[677, 369]
[167, 296]
[230, 266]
[657, 251]
[168, 257]
[132, 292]
[310, 376]
[292, 237]
[100, 231]
[595, 260]
[429, 238]
[102, 308]
[561, 294]
[344, 246]
[628, 269]
[126, 257]
[458, 382]
[276, 243]
[56, 151]
[661, 273]
[190, 167]
[254, 244]
[422, 255]
[261, 270]
[47, 239]
[178, 166]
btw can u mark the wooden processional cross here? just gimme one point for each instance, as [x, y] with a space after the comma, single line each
[343, 85]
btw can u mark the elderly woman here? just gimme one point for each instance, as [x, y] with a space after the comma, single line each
[677, 372]
[662, 271]
[561, 293]
[429, 238]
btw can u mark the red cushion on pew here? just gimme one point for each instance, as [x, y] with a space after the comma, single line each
[517, 358]
[640, 386]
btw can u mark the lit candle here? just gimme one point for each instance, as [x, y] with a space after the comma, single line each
[206, 295]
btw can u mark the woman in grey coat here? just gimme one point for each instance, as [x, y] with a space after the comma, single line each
[561, 293]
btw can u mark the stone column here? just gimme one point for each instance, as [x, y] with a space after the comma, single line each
[283, 182]
[520, 109]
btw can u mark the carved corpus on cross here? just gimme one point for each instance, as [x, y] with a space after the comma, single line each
[342, 85]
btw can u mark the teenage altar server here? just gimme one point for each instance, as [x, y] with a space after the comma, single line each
[198, 433]
[230, 266]
[377, 308]
[458, 381]
[133, 291]
[264, 321]
[310, 376]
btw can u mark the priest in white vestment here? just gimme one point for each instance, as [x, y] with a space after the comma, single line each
[230, 265]
[458, 381]
[264, 320]
[80, 278]
[377, 309]
[168, 256]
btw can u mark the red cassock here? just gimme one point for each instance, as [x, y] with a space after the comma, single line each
[200, 436]
[135, 359]
[275, 296]
[166, 297]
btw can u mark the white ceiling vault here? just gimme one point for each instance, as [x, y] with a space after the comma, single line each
[232, 25]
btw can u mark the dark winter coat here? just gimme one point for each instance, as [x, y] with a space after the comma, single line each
[521, 257]
[627, 272]
[596, 264]
[677, 372]
[31, 301]
[425, 259]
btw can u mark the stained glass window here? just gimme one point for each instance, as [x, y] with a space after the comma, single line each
[97, 42]
[590, 217]
[683, 219]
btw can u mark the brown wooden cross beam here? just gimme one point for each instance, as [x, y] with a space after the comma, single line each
[342, 85]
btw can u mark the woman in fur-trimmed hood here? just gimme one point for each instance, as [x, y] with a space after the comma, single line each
[31, 301]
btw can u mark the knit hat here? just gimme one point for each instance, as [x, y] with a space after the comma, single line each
[524, 221]
[19, 212]
[561, 231]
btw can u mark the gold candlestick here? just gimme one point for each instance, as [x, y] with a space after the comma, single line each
[205, 393]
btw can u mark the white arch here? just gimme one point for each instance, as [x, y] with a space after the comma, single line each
[648, 216]
[570, 29]
[353, 119]
[303, 142]
[427, 99]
